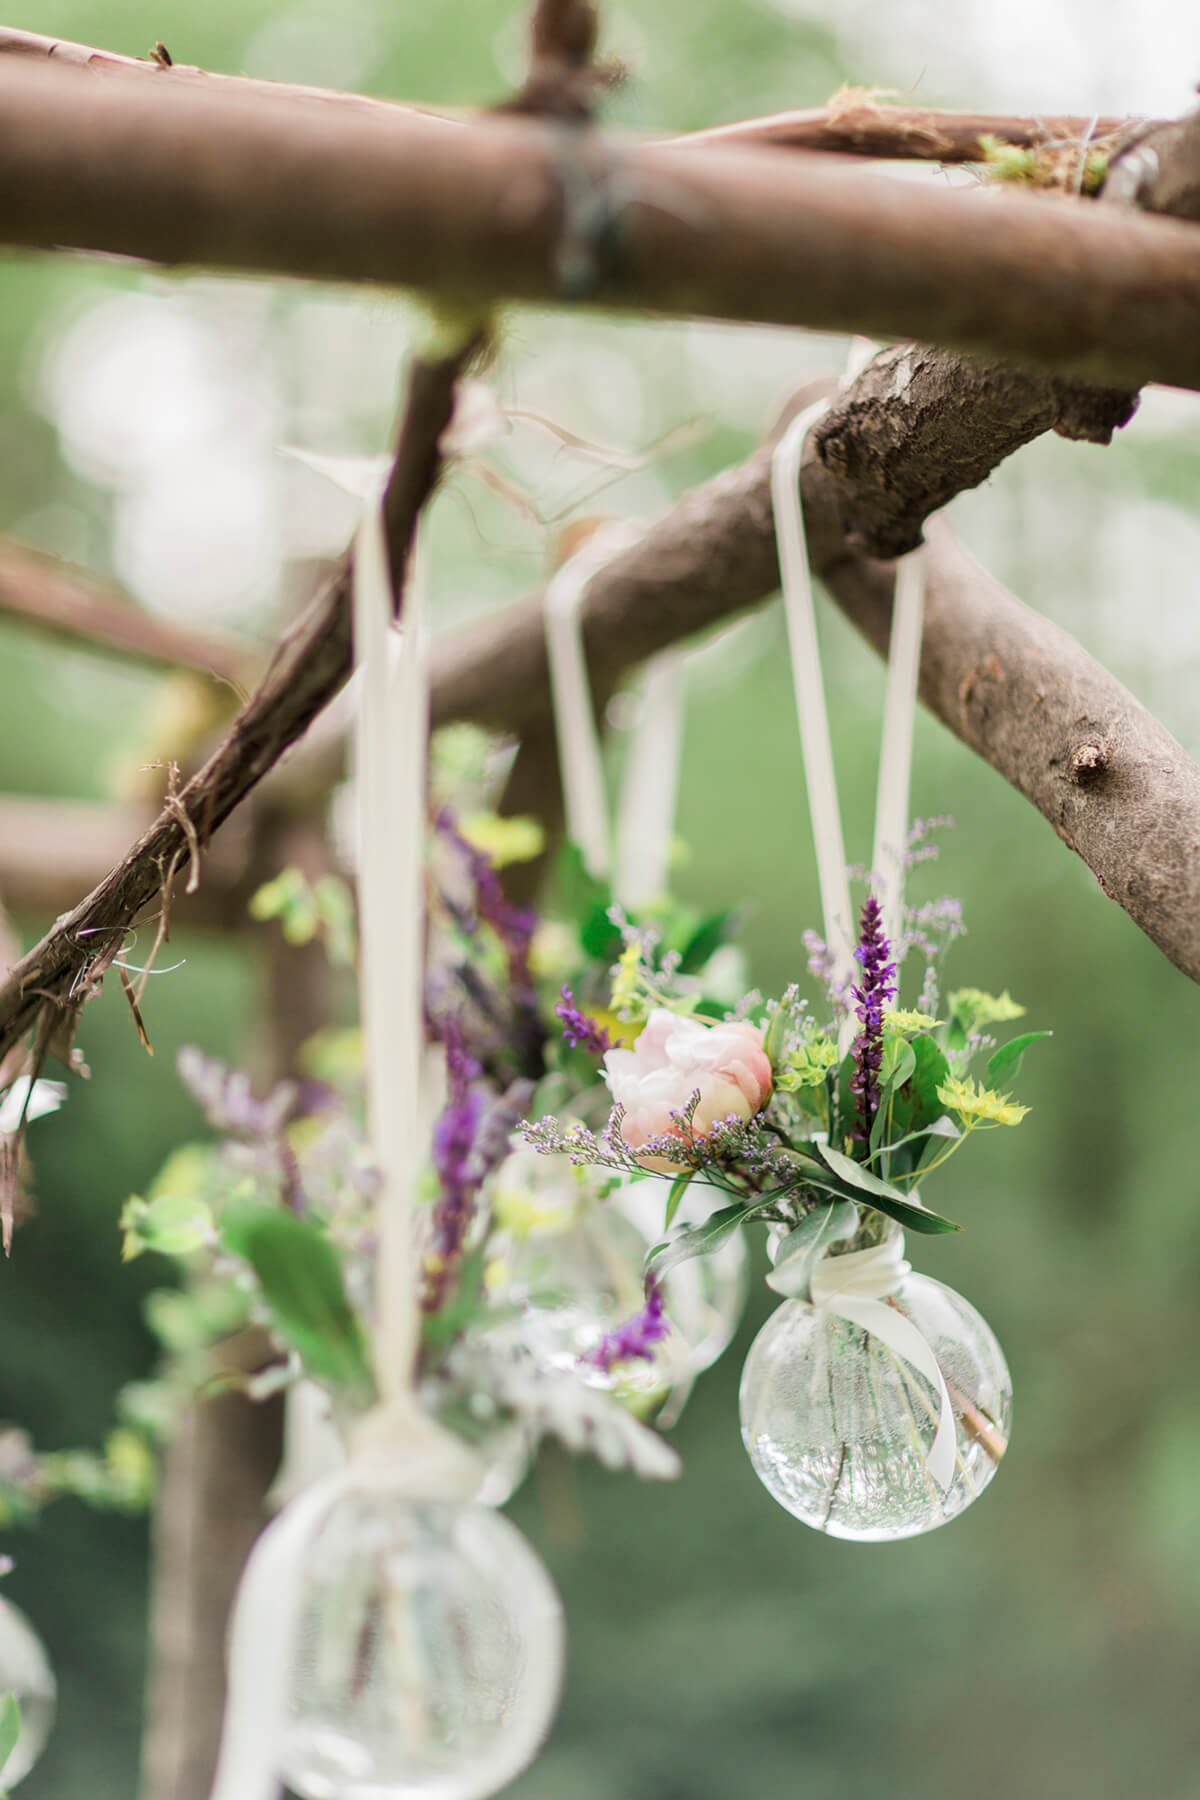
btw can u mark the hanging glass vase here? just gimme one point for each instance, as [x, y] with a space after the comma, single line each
[428, 1657]
[574, 1262]
[25, 1672]
[879, 1414]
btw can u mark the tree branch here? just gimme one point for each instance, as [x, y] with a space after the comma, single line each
[43, 593]
[32, 46]
[856, 124]
[516, 209]
[309, 665]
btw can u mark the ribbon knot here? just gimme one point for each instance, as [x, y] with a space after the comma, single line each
[855, 1287]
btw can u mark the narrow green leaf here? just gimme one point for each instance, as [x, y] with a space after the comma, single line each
[708, 937]
[679, 1188]
[899, 1061]
[882, 1195]
[702, 1240]
[300, 1276]
[10, 1726]
[1005, 1063]
[930, 1070]
[832, 1222]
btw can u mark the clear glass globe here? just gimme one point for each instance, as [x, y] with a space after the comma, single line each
[578, 1270]
[429, 1657]
[838, 1426]
[25, 1671]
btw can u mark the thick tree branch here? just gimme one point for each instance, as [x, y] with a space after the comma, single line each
[45, 594]
[479, 214]
[855, 122]
[32, 46]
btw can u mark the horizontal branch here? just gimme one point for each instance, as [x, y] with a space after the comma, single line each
[53, 850]
[856, 124]
[33, 46]
[515, 209]
[41, 592]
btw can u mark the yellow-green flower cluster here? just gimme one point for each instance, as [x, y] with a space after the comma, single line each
[906, 1023]
[975, 1009]
[977, 1105]
[808, 1065]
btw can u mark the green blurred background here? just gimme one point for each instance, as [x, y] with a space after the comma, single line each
[1049, 1641]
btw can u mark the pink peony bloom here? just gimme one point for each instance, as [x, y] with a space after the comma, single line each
[674, 1058]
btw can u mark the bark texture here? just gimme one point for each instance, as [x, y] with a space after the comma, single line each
[518, 209]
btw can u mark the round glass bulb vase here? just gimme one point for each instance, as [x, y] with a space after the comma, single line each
[429, 1654]
[25, 1671]
[840, 1427]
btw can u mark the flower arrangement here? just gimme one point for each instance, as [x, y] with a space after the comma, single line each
[822, 1128]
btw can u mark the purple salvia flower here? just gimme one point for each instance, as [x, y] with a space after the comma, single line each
[637, 1337]
[579, 1029]
[875, 989]
[513, 925]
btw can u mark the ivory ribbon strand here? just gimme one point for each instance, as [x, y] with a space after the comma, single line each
[855, 1287]
[393, 718]
[895, 751]
[650, 788]
[580, 761]
[815, 742]
[390, 774]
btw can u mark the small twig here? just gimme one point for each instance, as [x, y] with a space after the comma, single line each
[174, 804]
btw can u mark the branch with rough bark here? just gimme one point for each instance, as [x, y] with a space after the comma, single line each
[511, 209]
[854, 123]
[310, 663]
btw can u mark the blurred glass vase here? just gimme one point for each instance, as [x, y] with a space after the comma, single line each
[25, 1673]
[428, 1657]
[879, 1408]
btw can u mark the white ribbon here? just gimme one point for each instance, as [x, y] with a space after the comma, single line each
[650, 787]
[895, 756]
[396, 1446]
[855, 1287]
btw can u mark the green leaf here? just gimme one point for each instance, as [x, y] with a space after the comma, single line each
[930, 1071]
[1005, 1063]
[707, 938]
[883, 1196]
[10, 1727]
[580, 892]
[830, 1223]
[301, 1280]
[899, 1061]
[679, 1188]
[702, 1240]
[174, 1225]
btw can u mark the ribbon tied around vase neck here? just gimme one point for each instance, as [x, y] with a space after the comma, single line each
[857, 1286]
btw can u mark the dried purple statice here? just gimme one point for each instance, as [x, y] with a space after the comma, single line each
[875, 989]
[637, 1337]
[580, 1030]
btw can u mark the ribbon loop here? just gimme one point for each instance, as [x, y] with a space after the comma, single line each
[855, 1287]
